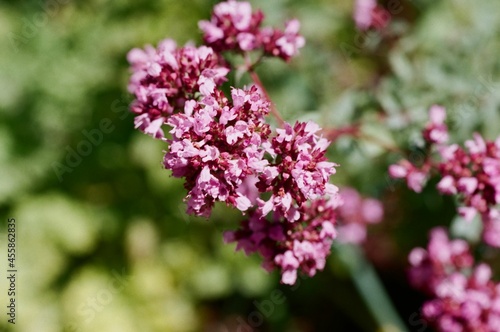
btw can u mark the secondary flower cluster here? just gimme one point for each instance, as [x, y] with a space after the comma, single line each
[472, 173]
[226, 152]
[301, 200]
[164, 78]
[290, 246]
[235, 27]
[355, 214]
[215, 145]
[463, 296]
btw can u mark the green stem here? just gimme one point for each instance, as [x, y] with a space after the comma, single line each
[370, 288]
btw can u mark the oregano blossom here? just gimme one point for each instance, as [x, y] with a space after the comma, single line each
[215, 145]
[463, 297]
[472, 173]
[224, 149]
[235, 27]
[164, 78]
[302, 245]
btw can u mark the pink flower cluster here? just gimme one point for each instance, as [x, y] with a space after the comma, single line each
[355, 214]
[368, 14]
[235, 27]
[436, 131]
[290, 246]
[215, 145]
[301, 200]
[463, 296]
[472, 173]
[297, 172]
[226, 152]
[164, 78]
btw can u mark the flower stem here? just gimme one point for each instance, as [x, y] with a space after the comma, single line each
[354, 130]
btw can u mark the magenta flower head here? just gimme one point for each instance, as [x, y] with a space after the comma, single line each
[216, 146]
[164, 78]
[363, 13]
[462, 296]
[415, 177]
[355, 214]
[234, 26]
[302, 245]
[283, 44]
[298, 172]
[225, 150]
[442, 256]
[436, 131]
[474, 174]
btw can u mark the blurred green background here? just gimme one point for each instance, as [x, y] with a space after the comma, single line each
[103, 241]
